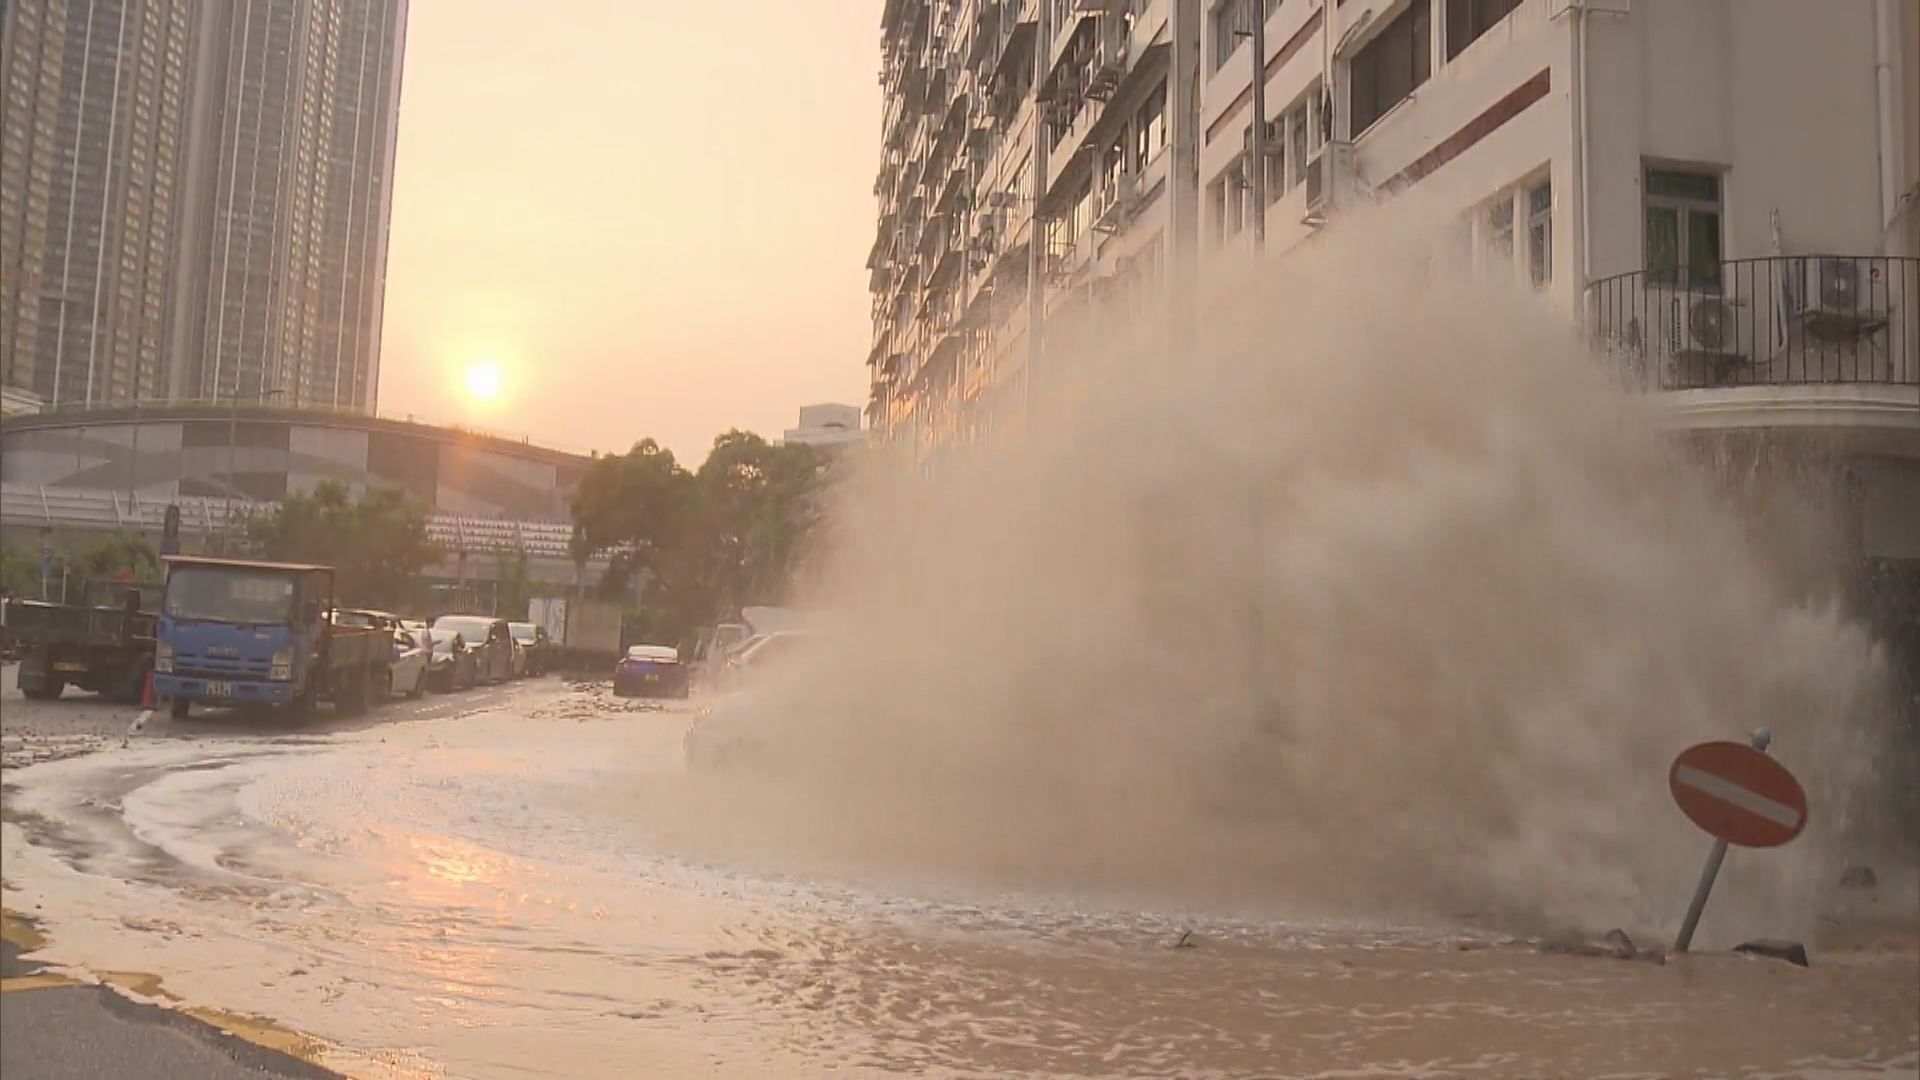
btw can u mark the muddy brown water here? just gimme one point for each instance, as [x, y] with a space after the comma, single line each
[538, 891]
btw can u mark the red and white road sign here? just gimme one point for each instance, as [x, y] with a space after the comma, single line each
[1738, 794]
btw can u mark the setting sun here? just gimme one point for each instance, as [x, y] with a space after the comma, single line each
[483, 381]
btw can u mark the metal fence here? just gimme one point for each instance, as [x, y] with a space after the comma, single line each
[1781, 321]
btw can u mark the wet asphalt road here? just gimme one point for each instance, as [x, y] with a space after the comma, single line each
[534, 887]
[54, 1029]
[54, 1032]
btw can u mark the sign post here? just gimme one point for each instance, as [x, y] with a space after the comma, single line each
[1738, 795]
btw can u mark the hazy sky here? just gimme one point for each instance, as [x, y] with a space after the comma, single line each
[651, 214]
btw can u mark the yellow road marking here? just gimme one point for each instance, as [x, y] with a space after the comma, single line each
[34, 982]
[20, 930]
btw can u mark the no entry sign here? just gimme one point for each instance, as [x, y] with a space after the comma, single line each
[1738, 794]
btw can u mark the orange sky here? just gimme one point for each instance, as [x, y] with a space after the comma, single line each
[651, 214]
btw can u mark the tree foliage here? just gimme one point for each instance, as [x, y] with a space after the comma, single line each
[630, 507]
[727, 536]
[118, 556]
[19, 570]
[377, 545]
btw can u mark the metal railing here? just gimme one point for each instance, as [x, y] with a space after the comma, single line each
[1787, 320]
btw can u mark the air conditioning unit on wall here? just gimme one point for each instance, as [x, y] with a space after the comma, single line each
[1331, 178]
[1836, 294]
[1700, 324]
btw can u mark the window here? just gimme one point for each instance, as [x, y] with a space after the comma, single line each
[1298, 126]
[1217, 211]
[1228, 20]
[1232, 24]
[1388, 69]
[1500, 230]
[1683, 228]
[1235, 187]
[1540, 234]
[1150, 128]
[1468, 19]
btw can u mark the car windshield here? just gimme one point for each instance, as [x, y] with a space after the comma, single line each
[777, 649]
[443, 640]
[524, 633]
[229, 594]
[472, 627]
[356, 618]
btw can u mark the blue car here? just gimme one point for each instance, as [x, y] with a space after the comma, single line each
[651, 671]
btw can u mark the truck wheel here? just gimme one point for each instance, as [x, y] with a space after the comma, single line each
[48, 691]
[350, 696]
[179, 707]
[300, 708]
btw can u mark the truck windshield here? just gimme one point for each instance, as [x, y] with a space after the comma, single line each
[229, 595]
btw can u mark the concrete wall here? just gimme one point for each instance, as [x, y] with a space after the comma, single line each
[1777, 93]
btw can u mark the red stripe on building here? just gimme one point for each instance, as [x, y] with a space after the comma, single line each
[1294, 44]
[1497, 114]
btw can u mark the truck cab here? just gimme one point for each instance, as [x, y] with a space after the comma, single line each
[237, 632]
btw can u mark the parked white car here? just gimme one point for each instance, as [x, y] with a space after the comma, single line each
[408, 671]
[728, 730]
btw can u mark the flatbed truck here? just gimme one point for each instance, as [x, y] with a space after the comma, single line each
[238, 632]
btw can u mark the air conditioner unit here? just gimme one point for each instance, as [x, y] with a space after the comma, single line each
[1330, 178]
[1117, 201]
[1276, 141]
[1839, 292]
[1703, 325]
[1003, 200]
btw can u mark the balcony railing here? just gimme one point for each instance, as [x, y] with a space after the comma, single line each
[1782, 321]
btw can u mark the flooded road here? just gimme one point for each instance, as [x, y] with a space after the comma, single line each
[535, 890]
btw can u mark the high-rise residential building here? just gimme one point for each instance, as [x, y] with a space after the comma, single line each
[1729, 192]
[284, 236]
[195, 198]
[92, 137]
[1035, 157]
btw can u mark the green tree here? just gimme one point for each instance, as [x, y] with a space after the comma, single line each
[19, 570]
[730, 535]
[630, 508]
[377, 545]
[117, 556]
[516, 585]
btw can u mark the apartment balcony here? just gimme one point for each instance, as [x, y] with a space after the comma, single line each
[1829, 343]
[985, 37]
[1015, 50]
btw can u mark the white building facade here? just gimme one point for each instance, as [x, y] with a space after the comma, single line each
[1725, 194]
[826, 425]
[1647, 163]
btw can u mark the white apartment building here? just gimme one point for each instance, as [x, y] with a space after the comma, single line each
[826, 425]
[1724, 191]
[1615, 153]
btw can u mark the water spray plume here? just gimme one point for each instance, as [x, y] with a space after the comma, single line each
[1378, 595]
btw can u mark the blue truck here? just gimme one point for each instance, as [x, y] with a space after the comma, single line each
[236, 632]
